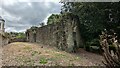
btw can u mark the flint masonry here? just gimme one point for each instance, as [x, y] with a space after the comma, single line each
[64, 35]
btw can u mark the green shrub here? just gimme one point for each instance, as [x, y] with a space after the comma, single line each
[93, 45]
[87, 47]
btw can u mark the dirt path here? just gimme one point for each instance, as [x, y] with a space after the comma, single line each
[21, 53]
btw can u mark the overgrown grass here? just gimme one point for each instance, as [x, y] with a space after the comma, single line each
[27, 48]
[60, 55]
[33, 53]
[25, 60]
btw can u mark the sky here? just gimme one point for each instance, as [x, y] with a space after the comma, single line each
[22, 14]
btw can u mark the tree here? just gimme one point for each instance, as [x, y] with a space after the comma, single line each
[42, 24]
[54, 18]
[94, 17]
[20, 35]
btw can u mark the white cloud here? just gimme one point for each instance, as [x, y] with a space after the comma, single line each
[55, 1]
[45, 20]
[9, 2]
[22, 15]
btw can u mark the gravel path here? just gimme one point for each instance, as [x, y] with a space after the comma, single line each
[27, 54]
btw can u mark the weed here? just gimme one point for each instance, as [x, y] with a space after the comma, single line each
[33, 53]
[43, 61]
[77, 58]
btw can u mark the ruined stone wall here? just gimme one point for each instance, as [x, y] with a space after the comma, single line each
[64, 35]
[30, 35]
[0, 40]
[53, 35]
[3, 40]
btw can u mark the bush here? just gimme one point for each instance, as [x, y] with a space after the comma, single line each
[93, 43]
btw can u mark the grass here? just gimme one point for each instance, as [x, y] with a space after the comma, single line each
[54, 57]
[60, 55]
[34, 53]
[43, 61]
[71, 64]
[27, 48]
[25, 60]
[77, 58]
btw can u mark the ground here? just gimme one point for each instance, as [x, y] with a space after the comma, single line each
[33, 54]
[0, 56]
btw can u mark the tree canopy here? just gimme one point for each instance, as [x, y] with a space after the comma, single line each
[54, 18]
[94, 17]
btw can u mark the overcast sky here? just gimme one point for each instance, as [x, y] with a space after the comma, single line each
[22, 14]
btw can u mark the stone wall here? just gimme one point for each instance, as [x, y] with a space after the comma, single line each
[0, 40]
[3, 40]
[64, 35]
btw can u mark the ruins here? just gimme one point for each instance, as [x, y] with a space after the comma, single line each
[64, 35]
[3, 38]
